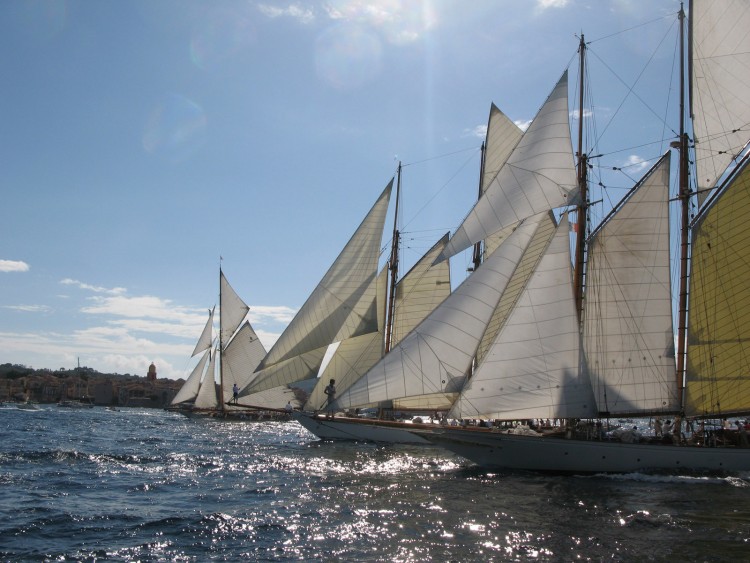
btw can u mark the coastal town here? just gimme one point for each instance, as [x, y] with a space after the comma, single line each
[84, 385]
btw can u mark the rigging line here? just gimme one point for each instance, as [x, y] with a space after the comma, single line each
[439, 191]
[631, 89]
[438, 157]
[670, 15]
[630, 148]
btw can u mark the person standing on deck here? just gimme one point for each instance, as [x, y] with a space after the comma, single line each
[330, 391]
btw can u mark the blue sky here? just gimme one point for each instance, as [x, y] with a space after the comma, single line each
[141, 141]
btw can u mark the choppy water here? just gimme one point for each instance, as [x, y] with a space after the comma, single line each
[148, 485]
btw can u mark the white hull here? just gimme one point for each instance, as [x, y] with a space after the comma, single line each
[360, 429]
[508, 451]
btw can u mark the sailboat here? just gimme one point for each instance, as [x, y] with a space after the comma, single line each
[410, 376]
[586, 345]
[343, 307]
[233, 358]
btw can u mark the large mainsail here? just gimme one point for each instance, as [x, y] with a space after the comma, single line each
[718, 369]
[628, 332]
[342, 305]
[533, 369]
[538, 176]
[189, 390]
[720, 57]
[502, 137]
[435, 357]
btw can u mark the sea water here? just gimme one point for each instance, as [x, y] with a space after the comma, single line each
[149, 485]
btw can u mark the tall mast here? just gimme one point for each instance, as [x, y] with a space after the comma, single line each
[393, 267]
[220, 350]
[477, 257]
[582, 185]
[684, 197]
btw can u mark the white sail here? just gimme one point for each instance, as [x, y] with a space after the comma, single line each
[533, 369]
[207, 397]
[422, 289]
[353, 356]
[417, 294]
[298, 368]
[538, 176]
[240, 358]
[352, 359]
[206, 338]
[232, 309]
[502, 137]
[720, 56]
[342, 305]
[517, 283]
[189, 390]
[628, 330]
[435, 357]
[274, 398]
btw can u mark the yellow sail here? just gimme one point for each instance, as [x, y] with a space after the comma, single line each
[718, 368]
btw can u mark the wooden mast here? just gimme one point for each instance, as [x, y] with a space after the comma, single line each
[393, 268]
[684, 197]
[477, 256]
[583, 190]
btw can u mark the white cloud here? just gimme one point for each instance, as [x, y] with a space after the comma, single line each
[400, 22]
[523, 125]
[13, 266]
[586, 113]
[304, 15]
[267, 313]
[94, 288]
[29, 308]
[480, 131]
[545, 4]
[635, 163]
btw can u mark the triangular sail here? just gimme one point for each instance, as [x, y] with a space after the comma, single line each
[718, 369]
[720, 88]
[299, 368]
[206, 338]
[207, 397]
[533, 369]
[231, 308]
[352, 359]
[341, 305]
[502, 137]
[538, 176]
[435, 357]
[189, 390]
[628, 332]
[422, 289]
[517, 282]
[240, 358]
[353, 356]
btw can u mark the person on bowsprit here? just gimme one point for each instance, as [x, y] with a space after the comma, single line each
[330, 391]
